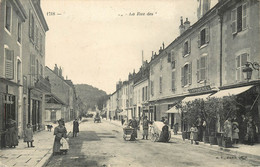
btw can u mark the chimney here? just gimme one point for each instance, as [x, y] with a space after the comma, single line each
[60, 72]
[160, 50]
[181, 27]
[56, 70]
[163, 45]
[186, 24]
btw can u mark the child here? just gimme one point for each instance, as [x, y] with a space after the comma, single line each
[235, 132]
[193, 134]
[28, 135]
[64, 145]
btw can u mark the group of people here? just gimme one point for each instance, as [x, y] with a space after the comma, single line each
[144, 124]
[245, 132]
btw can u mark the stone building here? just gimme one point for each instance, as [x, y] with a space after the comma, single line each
[12, 20]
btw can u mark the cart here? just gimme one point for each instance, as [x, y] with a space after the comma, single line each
[156, 132]
[128, 131]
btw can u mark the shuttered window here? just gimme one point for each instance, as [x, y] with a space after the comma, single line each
[173, 63]
[31, 26]
[240, 64]
[169, 58]
[202, 70]
[203, 37]
[186, 74]
[173, 81]
[187, 47]
[19, 32]
[152, 87]
[239, 18]
[160, 84]
[9, 64]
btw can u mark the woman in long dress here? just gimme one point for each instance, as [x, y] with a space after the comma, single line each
[59, 132]
[12, 134]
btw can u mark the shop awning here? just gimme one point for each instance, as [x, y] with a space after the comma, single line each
[173, 110]
[191, 98]
[230, 92]
[123, 113]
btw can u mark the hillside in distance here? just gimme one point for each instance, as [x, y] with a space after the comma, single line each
[89, 94]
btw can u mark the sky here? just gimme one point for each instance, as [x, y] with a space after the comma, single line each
[99, 42]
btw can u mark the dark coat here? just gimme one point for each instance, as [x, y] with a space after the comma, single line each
[75, 126]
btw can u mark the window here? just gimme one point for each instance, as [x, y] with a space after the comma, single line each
[239, 18]
[32, 68]
[31, 26]
[9, 64]
[173, 81]
[37, 37]
[161, 66]
[240, 63]
[173, 63]
[8, 16]
[40, 43]
[160, 84]
[19, 32]
[152, 93]
[186, 74]
[41, 70]
[24, 84]
[203, 37]
[202, 69]
[186, 48]
[18, 71]
[37, 69]
[169, 57]
[143, 94]
[146, 93]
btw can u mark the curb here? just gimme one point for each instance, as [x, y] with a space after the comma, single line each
[46, 159]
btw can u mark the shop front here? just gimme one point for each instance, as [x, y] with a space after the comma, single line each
[9, 93]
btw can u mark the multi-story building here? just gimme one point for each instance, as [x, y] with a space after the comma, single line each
[12, 20]
[35, 86]
[61, 102]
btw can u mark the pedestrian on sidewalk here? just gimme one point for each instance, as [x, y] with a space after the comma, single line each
[228, 132]
[145, 128]
[194, 134]
[75, 127]
[175, 128]
[28, 135]
[251, 129]
[243, 129]
[235, 131]
[59, 132]
[134, 125]
[12, 134]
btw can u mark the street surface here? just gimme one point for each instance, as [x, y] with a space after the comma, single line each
[102, 144]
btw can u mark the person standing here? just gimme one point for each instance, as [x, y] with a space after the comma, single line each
[243, 129]
[75, 127]
[251, 131]
[193, 134]
[28, 135]
[228, 131]
[235, 131]
[134, 125]
[59, 132]
[176, 128]
[12, 134]
[145, 128]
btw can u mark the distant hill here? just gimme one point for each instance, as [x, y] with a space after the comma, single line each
[89, 94]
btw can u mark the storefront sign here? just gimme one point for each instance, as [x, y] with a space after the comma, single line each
[200, 89]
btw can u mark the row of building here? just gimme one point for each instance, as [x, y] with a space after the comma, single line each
[30, 92]
[218, 54]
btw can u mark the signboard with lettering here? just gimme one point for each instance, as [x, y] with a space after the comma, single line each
[200, 89]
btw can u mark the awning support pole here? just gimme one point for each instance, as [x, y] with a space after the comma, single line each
[254, 102]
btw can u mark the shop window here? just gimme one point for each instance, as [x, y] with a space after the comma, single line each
[239, 18]
[240, 63]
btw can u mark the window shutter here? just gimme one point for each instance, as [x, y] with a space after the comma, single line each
[238, 68]
[9, 64]
[169, 57]
[189, 45]
[183, 49]
[199, 36]
[182, 76]
[234, 21]
[173, 80]
[244, 16]
[206, 67]
[207, 34]
[190, 72]
[198, 69]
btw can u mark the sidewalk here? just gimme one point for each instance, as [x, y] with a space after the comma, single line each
[32, 156]
[239, 149]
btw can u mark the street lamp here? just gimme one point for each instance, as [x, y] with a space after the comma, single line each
[247, 70]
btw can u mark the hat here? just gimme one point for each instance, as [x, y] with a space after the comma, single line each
[235, 123]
